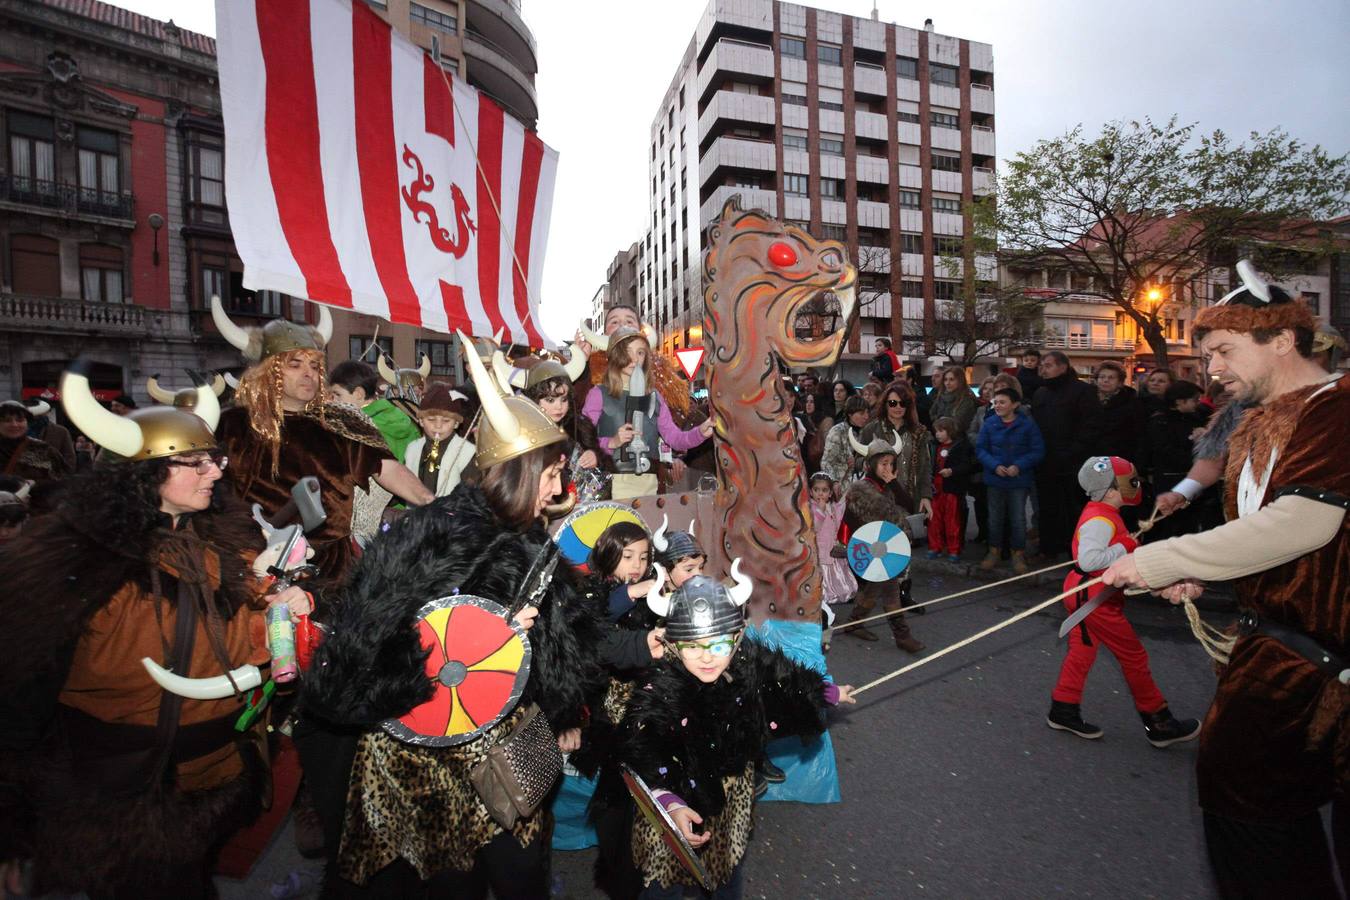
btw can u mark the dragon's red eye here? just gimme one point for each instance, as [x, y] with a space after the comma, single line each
[782, 255]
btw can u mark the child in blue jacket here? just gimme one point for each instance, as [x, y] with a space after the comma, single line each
[1009, 447]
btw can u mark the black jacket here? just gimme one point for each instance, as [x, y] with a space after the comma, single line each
[963, 462]
[1121, 423]
[1169, 450]
[1066, 410]
[1030, 380]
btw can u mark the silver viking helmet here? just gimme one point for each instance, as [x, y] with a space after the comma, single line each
[877, 447]
[677, 545]
[702, 607]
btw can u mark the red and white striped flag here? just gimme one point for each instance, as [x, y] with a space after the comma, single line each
[357, 176]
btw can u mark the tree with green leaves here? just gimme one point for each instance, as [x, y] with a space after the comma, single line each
[1156, 207]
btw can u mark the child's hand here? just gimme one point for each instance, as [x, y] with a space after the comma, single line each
[945, 473]
[654, 645]
[570, 740]
[588, 460]
[846, 694]
[297, 600]
[640, 590]
[525, 618]
[685, 818]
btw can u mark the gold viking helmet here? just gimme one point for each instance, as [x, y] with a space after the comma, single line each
[277, 336]
[150, 433]
[512, 426]
[184, 398]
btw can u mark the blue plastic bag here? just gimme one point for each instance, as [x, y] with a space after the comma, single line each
[812, 776]
[571, 830]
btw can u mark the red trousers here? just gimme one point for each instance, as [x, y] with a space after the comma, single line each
[1107, 626]
[945, 526]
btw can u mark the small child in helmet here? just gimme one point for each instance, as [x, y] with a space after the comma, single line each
[1100, 539]
[697, 724]
[679, 553]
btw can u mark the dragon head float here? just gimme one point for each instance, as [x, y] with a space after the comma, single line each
[759, 276]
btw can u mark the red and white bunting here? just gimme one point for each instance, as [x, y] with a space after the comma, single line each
[351, 178]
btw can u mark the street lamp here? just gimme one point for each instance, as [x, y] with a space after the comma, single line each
[156, 222]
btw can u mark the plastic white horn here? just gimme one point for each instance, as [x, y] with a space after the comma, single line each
[157, 393]
[860, 449]
[386, 372]
[325, 325]
[598, 341]
[659, 536]
[657, 602]
[489, 395]
[232, 380]
[218, 687]
[218, 385]
[208, 406]
[39, 409]
[115, 433]
[576, 362]
[740, 591]
[425, 368]
[231, 332]
[501, 369]
[23, 492]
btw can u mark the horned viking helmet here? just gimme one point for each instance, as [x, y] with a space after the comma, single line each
[702, 607]
[675, 546]
[512, 426]
[277, 336]
[185, 398]
[149, 433]
[406, 383]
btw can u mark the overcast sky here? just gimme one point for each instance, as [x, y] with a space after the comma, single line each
[604, 65]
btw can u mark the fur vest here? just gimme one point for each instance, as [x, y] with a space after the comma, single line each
[372, 666]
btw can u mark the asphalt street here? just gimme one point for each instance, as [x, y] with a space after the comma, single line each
[953, 785]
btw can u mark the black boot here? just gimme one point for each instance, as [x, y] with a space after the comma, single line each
[1163, 729]
[771, 773]
[907, 598]
[1068, 717]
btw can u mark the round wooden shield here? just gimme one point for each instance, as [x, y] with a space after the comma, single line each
[878, 551]
[665, 826]
[479, 660]
[577, 534]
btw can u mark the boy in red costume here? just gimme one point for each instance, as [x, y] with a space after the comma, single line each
[1099, 540]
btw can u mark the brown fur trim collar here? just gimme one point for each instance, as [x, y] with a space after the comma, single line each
[1263, 432]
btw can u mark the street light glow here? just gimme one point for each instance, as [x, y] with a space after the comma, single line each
[1154, 295]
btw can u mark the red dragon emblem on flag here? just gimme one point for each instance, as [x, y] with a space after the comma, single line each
[412, 196]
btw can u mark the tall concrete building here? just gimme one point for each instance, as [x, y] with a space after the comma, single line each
[622, 276]
[869, 133]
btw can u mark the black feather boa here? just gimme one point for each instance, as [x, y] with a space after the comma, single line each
[685, 736]
[371, 667]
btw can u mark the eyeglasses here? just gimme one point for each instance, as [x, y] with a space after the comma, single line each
[893, 402]
[720, 648]
[202, 464]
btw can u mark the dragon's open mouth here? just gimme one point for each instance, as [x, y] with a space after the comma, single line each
[820, 316]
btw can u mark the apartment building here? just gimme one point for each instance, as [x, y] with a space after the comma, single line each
[874, 134]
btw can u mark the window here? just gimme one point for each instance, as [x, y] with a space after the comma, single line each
[946, 204]
[832, 144]
[948, 245]
[909, 117]
[1313, 299]
[206, 174]
[358, 346]
[794, 99]
[947, 290]
[945, 163]
[681, 138]
[944, 120]
[906, 67]
[670, 118]
[32, 153]
[831, 98]
[794, 140]
[434, 19]
[835, 232]
[98, 166]
[269, 302]
[35, 265]
[872, 237]
[832, 188]
[911, 287]
[909, 199]
[795, 185]
[792, 47]
[213, 285]
[829, 54]
[911, 243]
[938, 74]
[441, 354]
[682, 102]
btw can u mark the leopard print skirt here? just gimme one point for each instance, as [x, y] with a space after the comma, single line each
[418, 803]
[730, 836]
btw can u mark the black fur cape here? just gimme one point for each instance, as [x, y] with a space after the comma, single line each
[63, 568]
[685, 736]
[371, 667]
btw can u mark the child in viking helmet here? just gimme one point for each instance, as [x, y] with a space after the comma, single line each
[695, 727]
[679, 552]
[1099, 540]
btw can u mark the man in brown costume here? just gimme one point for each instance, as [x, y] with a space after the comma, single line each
[283, 428]
[1276, 743]
[25, 457]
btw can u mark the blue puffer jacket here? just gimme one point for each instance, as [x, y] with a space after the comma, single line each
[1016, 444]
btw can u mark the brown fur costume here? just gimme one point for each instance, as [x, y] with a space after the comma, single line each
[1243, 318]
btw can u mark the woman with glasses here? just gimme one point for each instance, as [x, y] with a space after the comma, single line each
[700, 720]
[898, 425]
[124, 783]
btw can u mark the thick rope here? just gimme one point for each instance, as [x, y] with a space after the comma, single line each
[975, 637]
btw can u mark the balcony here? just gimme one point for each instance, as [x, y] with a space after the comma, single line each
[737, 153]
[751, 198]
[1084, 342]
[20, 312]
[738, 57]
[64, 199]
[736, 107]
[495, 71]
[869, 79]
